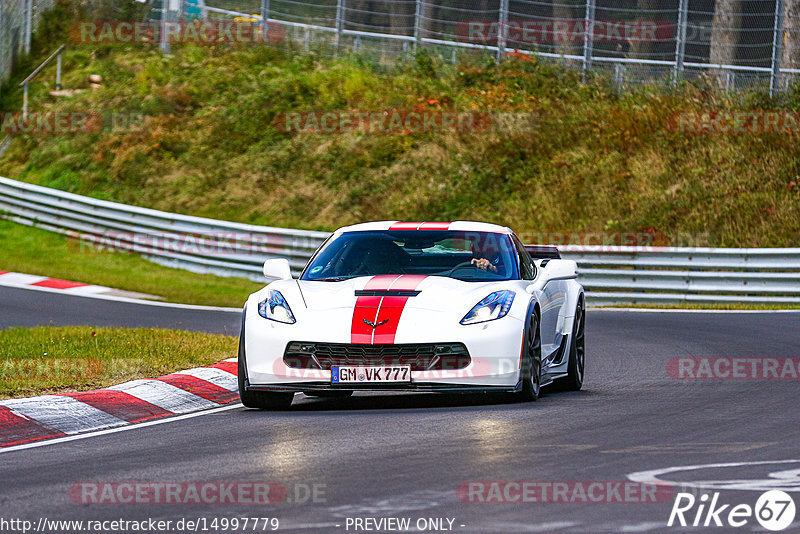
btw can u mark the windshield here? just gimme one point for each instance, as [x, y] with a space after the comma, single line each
[467, 256]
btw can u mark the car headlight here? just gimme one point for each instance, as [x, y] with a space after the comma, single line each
[275, 308]
[493, 307]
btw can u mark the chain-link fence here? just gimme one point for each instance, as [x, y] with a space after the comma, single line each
[731, 43]
[18, 19]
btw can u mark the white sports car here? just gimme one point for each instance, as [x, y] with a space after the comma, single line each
[397, 306]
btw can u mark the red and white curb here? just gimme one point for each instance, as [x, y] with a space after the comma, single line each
[30, 280]
[54, 416]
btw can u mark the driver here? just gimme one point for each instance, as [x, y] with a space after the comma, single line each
[486, 260]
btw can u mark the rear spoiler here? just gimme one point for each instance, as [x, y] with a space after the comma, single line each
[541, 252]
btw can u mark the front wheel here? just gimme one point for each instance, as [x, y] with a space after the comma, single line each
[531, 365]
[264, 400]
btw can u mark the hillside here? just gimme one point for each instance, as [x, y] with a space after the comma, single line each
[585, 158]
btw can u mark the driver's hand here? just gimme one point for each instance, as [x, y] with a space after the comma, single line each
[483, 264]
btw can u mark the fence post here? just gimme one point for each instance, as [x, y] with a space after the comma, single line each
[588, 36]
[339, 21]
[163, 42]
[58, 72]
[680, 40]
[777, 42]
[264, 20]
[502, 31]
[417, 21]
[28, 25]
[3, 49]
[25, 102]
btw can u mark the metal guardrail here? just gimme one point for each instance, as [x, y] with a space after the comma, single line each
[194, 243]
[611, 275]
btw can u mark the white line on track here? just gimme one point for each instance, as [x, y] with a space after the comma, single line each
[119, 429]
[678, 310]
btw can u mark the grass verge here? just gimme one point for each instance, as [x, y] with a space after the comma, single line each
[721, 306]
[45, 359]
[34, 251]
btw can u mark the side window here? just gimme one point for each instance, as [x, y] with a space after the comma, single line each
[527, 269]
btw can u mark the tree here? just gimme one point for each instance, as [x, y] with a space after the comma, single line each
[724, 35]
[563, 12]
[790, 56]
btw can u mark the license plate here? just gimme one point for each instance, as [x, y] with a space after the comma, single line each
[341, 374]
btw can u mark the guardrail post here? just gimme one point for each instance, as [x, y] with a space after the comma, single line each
[680, 40]
[339, 21]
[417, 21]
[58, 71]
[588, 37]
[264, 20]
[502, 31]
[777, 42]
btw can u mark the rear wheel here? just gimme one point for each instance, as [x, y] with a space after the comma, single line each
[577, 351]
[531, 374]
[264, 400]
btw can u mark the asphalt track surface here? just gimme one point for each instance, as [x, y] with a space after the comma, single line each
[404, 455]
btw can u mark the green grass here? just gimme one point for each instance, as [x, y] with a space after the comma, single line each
[34, 251]
[35, 361]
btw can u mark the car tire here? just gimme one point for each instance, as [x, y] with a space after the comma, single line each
[577, 351]
[531, 372]
[263, 400]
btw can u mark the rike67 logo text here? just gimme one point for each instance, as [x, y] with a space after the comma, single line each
[774, 510]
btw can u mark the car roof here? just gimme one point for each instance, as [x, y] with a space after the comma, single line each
[465, 226]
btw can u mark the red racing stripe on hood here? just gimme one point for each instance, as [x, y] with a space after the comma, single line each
[384, 312]
[367, 309]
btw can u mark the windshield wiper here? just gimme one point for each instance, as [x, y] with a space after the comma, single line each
[331, 279]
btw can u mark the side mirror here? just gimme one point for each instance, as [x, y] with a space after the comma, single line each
[278, 268]
[560, 270]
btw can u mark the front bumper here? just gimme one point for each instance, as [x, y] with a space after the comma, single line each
[413, 386]
[494, 348]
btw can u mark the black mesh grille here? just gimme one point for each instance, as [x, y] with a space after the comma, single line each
[420, 356]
